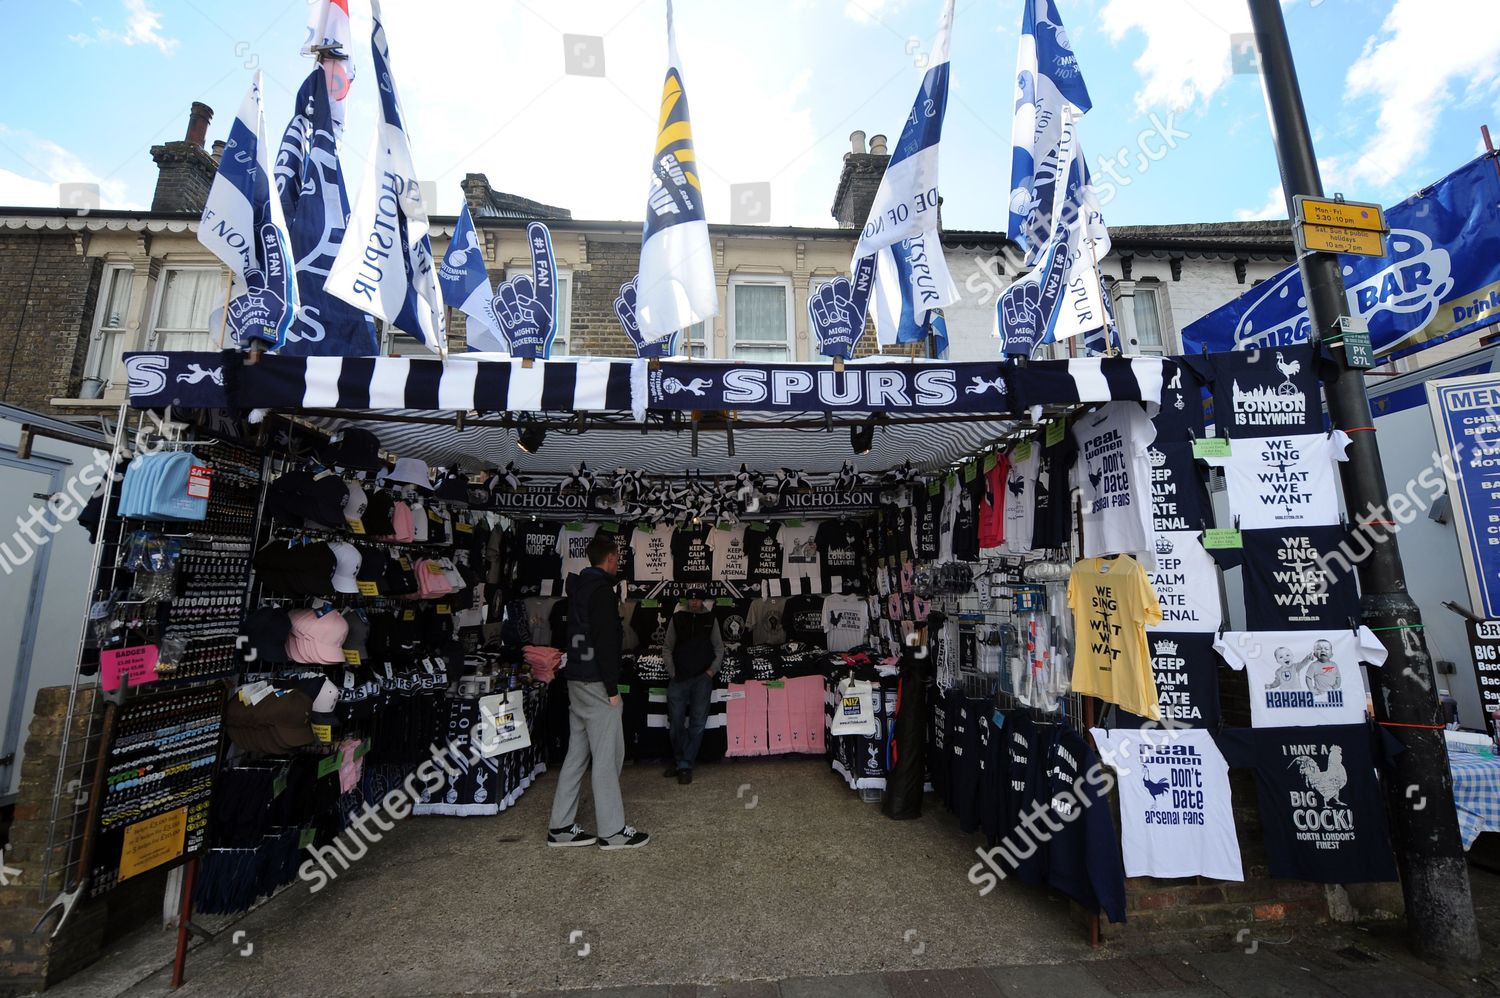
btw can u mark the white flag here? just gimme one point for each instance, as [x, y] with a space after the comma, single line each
[911, 284]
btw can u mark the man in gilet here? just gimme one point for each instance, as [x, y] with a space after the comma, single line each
[692, 653]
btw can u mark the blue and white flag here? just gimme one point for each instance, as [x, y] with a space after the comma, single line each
[625, 303]
[466, 286]
[906, 204]
[243, 225]
[676, 286]
[912, 285]
[526, 305]
[385, 264]
[836, 310]
[311, 185]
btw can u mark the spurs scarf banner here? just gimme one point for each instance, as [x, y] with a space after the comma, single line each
[979, 387]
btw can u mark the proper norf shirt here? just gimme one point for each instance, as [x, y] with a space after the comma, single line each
[1283, 481]
[1112, 602]
[1303, 678]
[1114, 476]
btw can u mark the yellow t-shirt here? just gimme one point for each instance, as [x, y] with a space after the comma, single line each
[1112, 602]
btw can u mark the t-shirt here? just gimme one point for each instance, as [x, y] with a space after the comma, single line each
[1321, 807]
[539, 617]
[651, 548]
[620, 533]
[966, 517]
[731, 615]
[650, 623]
[573, 546]
[1114, 476]
[1176, 814]
[803, 620]
[1302, 678]
[691, 557]
[947, 517]
[1179, 492]
[1186, 581]
[1112, 602]
[992, 509]
[536, 555]
[1053, 514]
[765, 622]
[1181, 412]
[799, 551]
[762, 553]
[1020, 498]
[1284, 481]
[926, 507]
[1290, 582]
[1187, 681]
[841, 547]
[730, 560]
[1259, 393]
[847, 619]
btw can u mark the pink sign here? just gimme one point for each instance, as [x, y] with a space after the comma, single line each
[128, 666]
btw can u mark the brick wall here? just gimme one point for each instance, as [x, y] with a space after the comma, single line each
[186, 172]
[47, 299]
[595, 330]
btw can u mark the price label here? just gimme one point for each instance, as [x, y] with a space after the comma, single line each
[990, 460]
[971, 471]
[352, 657]
[368, 588]
[199, 482]
[1221, 537]
[444, 609]
[306, 838]
[330, 764]
[278, 786]
[1022, 451]
[323, 733]
[463, 527]
[934, 487]
[776, 684]
[1055, 432]
[355, 526]
[408, 615]
[1211, 447]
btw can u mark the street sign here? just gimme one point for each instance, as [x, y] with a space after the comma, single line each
[1339, 214]
[1332, 239]
[1357, 350]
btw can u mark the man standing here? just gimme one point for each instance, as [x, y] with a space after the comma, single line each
[692, 653]
[595, 728]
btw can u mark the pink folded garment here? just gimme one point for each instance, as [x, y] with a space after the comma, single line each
[734, 721]
[544, 662]
[778, 718]
[756, 741]
[350, 768]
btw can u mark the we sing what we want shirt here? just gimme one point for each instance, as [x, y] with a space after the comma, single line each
[1284, 481]
[1112, 603]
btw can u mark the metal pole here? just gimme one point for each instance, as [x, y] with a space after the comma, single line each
[1434, 875]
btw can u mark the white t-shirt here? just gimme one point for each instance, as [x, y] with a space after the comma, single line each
[1114, 475]
[1303, 678]
[1020, 501]
[1176, 816]
[651, 552]
[1186, 580]
[573, 546]
[729, 556]
[799, 551]
[1284, 481]
[847, 620]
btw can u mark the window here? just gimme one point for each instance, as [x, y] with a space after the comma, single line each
[186, 296]
[107, 343]
[1148, 326]
[760, 319]
[696, 338]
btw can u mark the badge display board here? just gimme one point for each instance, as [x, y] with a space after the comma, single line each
[150, 806]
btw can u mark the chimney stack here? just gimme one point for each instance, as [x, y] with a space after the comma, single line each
[877, 146]
[198, 118]
[859, 180]
[185, 169]
[857, 141]
[218, 153]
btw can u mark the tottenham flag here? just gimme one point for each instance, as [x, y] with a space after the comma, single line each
[385, 264]
[906, 204]
[330, 38]
[912, 284]
[311, 186]
[243, 225]
[676, 287]
[466, 286]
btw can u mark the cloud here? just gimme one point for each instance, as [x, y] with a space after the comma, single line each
[1275, 207]
[872, 11]
[1422, 48]
[142, 27]
[48, 165]
[1186, 59]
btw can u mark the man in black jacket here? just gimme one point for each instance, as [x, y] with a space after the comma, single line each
[692, 653]
[595, 728]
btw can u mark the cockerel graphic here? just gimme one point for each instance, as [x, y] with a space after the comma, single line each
[1155, 787]
[1330, 782]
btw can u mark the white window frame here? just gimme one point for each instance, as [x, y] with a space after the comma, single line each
[1169, 345]
[154, 335]
[737, 281]
[101, 363]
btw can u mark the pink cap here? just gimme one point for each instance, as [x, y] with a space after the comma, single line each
[401, 529]
[432, 579]
[317, 640]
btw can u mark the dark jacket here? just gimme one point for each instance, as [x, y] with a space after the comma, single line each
[693, 645]
[594, 631]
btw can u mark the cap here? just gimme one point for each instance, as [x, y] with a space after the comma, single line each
[400, 578]
[401, 523]
[266, 631]
[287, 497]
[356, 504]
[317, 637]
[377, 515]
[453, 488]
[297, 569]
[346, 569]
[358, 637]
[326, 500]
[355, 449]
[419, 522]
[373, 566]
[432, 579]
[277, 724]
[697, 594]
[411, 471]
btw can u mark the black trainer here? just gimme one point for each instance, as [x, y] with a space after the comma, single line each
[684, 776]
[625, 838]
[573, 835]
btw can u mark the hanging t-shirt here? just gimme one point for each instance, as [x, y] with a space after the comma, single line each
[927, 506]
[1262, 393]
[1186, 581]
[847, 619]
[799, 550]
[803, 620]
[650, 623]
[992, 509]
[731, 562]
[1083, 857]
[1179, 491]
[1020, 498]
[692, 561]
[539, 618]
[1321, 807]
[841, 548]
[1114, 476]
[573, 546]
[731, 615]
[1112, 603]
[1053, 508]
[651, 550]
[765, 621]
[1302, 678]
[536, 555]
[1176, 815]
[1284, 481]
[762, 553]
[1290, 582]
[1186, 671]
[947, 517]
[1181, 412]
[966, 518]
[621, 532]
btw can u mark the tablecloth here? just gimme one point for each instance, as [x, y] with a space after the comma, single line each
[1476, 791]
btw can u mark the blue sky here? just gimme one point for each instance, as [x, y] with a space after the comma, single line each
[1395, 89]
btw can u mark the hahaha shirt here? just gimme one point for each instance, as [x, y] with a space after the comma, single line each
[1303, 678]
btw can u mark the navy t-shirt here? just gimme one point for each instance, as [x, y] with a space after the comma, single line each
[692, 558]
[1186, 669]
[1321, 807]
[1052, 525]
[1181, 412]
[926, 509]
[841, 547]
[1290, 584]
[1084, 860]
[762, 553]
[1179, 490]
[1266, 393]
[1027, 749]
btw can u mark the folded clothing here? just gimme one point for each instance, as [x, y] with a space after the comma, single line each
[543, 661]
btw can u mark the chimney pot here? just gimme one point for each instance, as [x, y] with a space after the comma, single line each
[218, 151]
[198, 118]
[857, 141]
[877, 145]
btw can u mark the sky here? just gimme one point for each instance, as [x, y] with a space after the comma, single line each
[556, 99]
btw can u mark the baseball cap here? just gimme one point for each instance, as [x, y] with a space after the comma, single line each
[411, 471]
[697, 594]
[295, 568]
[289, 495]
[432, 579]
[419, 524]
[377, 515]
[356, 504]
[266, 631]
[453, 488]
[326, 500]
[400, 579]
[358, 637]
[346, 568]
[373, 566]
[401, 523]
[355, 449]
[277, 724]
[317, 637]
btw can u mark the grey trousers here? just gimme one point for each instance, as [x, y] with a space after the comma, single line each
[595, 730]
